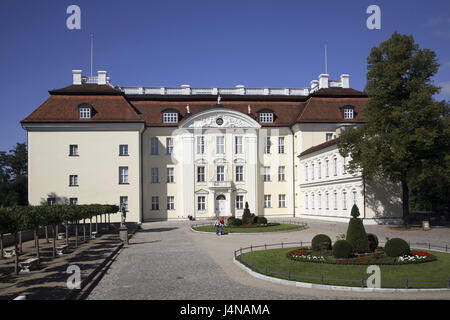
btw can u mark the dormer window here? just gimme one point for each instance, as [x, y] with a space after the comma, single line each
[170, 117]
[348, 112]
[266, 117]
[85, 111]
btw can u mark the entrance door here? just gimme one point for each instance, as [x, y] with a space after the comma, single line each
[221, 205]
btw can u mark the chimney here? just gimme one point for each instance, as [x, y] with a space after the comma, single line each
[101, 79]
[323, 80]
[76, 76]
[345, 80]
[314, 84]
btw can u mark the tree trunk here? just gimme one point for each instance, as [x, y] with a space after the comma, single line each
[405, 203]
[90, 228]
[96, 224]
[54, 240]
[36, 237]
[16, 256]
[76, 234]
[1, 246]
[46, 234]
[20, 242]
[84, 230]
[67, 234]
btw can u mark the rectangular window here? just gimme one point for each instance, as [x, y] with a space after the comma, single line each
[154, 175]
[306, 201]
[266, 117]
[266, 173]
[85, 112]
[170, 175]
[73, 180]
[170, 203]
[328, 136]
[344, 200]
[348, 113]
[327, 201]
[170, 117]
[239, 202]
[335, 201]
[327, 168]
[281, 145]
[267, 145]
[123, 150]
[282, 200]
[238, 149]
[201, 174]
[319, 201]
[154, 146]
[306, 172]
[123, 175]
[344, 163]
[124, 202]
[267, 201]
[220, 145]
[220, 173]
[335, 166]
[51, 201]
[201, 145]
[73, 201]
[155, 203]
[281, 173]
[201, 203]
[73, 150]
[312, 171]
[312, 201]
[319, 170]
[169, 145]
[355, 200]
[239, 173]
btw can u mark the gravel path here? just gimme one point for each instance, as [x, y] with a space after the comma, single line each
[167, 260]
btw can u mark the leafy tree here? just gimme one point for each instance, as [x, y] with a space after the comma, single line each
[356, 233]
[406, 130]
[13, 176]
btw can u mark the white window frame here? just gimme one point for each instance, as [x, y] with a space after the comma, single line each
[73, 180]
[73, 150]
[85, 112]
[239, 202]
[267, 145]
[73, 201]
[220, 144]
[201, 174]
[281, 173]
[170, 175]
[239, 177]
[170, 203]
[344, 200]
[169, 145]
[220, 174]
[282, 201]
[201, 203]
[238, 146]
[266, 117]
[267, 201]
[349, 113]
[123, 175]
[280, 145]
[170, 117]
[266, 174]
[306, 201]
[328, 136]
[201, 146]
[123, 150]
[306, 172]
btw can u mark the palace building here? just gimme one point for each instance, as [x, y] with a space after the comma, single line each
[175, 152]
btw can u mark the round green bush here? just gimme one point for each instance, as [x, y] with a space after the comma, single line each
[230, 220]
[397, 247]
[373, 241]
[237, 222]
[260, 220]
[342, 249]
[321, 242]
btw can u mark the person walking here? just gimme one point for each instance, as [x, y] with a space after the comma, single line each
[222, 225]
[217, 225]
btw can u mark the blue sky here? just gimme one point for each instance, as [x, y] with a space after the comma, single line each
[201, 43]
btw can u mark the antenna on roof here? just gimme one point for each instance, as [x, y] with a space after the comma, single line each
[326, 63]
[92, 52]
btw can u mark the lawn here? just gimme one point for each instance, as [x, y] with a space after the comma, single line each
[252, 228]
[275, 263]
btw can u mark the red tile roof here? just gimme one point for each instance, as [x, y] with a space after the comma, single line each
[320, 146]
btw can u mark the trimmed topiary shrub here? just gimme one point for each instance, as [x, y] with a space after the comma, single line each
[356, 234]
[373, 241]
[321, 242]
[237, 222]
[397, 247]
[342, 249]
[260, 220]
[247, 217]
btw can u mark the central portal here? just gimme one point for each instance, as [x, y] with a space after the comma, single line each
[221, 205]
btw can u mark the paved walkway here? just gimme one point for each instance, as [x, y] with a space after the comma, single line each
[166, 260]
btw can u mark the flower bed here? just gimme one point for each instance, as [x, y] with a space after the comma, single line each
[306, 254]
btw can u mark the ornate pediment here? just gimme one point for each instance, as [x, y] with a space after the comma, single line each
[219, 118]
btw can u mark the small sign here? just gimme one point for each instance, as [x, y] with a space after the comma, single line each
[426, 225]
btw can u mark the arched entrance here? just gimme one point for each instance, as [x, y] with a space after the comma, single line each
[221, 205]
